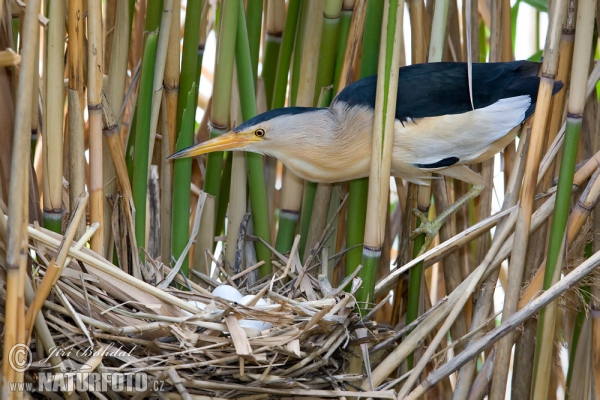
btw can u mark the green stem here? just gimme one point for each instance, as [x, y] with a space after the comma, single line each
[186, 110]
[142, 133]
[256, 174]
[345, 20]
[561, 213]
[358, 189]
[254, 14]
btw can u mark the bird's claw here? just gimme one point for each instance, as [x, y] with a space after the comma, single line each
[429, 228]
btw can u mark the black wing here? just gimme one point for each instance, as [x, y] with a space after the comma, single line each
[429, 90]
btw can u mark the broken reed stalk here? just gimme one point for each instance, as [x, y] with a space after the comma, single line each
[381, 155]
[580, 70]
[184, 128]
[53, 118]
[115, 147]
[519, 251]
[254, 162]
[143, 114]
[115, 93]
[171, 92]
[358, 188]
[75, 100]
[305, 76]
[94, 85]
[18, 203]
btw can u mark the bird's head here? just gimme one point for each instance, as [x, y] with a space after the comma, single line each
[266, 133]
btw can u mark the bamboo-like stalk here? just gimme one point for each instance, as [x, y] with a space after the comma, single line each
[579, 74]
[519, 250]
[358, 188]
[302, 94]
[184, 132]
[75, 99]
[254, 162]
[115, 93]
[18, 211]
[143, 116]
[381, 156]
[94, 85]
[276, 17]
[171, 88]
[53, 115]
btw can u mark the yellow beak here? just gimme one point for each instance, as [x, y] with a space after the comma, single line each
[228, 141]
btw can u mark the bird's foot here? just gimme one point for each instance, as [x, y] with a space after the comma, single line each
[429, 228]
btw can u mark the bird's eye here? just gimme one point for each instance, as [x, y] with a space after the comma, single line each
[259, 132]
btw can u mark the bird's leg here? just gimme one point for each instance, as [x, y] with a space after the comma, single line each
[431, 228]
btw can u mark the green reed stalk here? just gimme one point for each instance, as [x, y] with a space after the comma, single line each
[182, 168]
[254, 14]
[358, 188]
[273, 44]
[144, 110]
[344, 28]
[288, 219]
[254, 162]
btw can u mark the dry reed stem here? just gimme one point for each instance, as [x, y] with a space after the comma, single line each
[16, 244]
[509, 325]
[474, 280]
[94, 86]
[53, 113]
[381, 155]
[486, 292]
[115, 92]
[169, 131]
[75, 103]
[55, 268]
[441, 251]
[115, 146]
[519, 251]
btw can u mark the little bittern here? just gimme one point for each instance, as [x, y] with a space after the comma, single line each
[437, 128]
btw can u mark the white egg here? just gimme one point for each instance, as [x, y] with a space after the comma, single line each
[258, 325]
[228, 293]
[198, 304]
[249, 297]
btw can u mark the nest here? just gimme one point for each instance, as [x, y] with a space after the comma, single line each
[193, 343]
